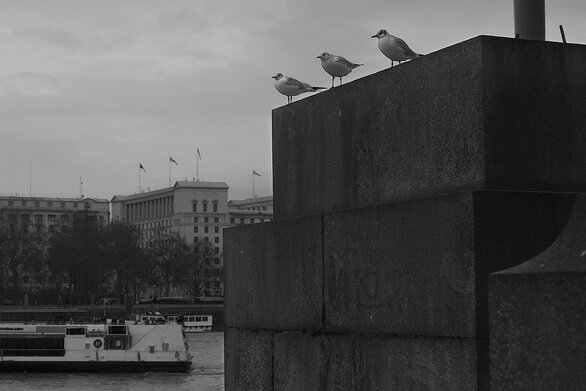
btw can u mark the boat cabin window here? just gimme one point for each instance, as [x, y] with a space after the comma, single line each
[32, 346]
[119, 330]
[75, 331]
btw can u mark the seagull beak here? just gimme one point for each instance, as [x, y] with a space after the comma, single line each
[374, 36]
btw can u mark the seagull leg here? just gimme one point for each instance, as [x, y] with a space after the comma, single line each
[333, 81]
[340, 81]
[392, 63]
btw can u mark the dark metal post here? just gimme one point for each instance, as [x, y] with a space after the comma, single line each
[530, 19]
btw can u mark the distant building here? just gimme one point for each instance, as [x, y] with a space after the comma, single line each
[197, 210]
[51, 213]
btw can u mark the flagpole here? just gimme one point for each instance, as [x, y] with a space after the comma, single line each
[252, 183]
[139, 178]
[169, 170]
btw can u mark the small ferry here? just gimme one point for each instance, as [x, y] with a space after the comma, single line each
[192, 323]
[94, 347]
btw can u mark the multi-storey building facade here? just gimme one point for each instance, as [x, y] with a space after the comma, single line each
[51, 213]
[197, 210]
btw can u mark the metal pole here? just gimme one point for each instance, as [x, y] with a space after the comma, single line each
[529, 19]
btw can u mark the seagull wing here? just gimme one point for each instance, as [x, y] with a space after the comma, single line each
[298, 84]
[342, 60]
[403, 45]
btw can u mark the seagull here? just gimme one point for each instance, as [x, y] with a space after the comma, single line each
[337, 66]
[394, 47]
[291, 87]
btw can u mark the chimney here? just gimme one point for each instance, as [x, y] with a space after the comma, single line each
[529, 19]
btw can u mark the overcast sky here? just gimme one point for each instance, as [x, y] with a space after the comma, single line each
[93, 88]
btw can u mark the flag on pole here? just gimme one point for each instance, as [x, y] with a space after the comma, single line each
[198, 154]
[172, 160]
[141, 167]
[255, 173]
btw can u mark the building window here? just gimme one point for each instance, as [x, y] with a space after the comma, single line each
[242, 220]
[195, 219]
[195, 229]
[206, 229]
[231, 220]
[216, 230]
[217, 251]
[195, 239]
[63, 204]
[22, 203]
[205, 219]
[216, 240]
[194, 206]
[50, 204]
[206, 239]
[216, 219]
[204, 206]
[75, 204]
[215, 206]
[64, 218]
[87, 205]
[10, 203]
[38, 218]
[37, 204]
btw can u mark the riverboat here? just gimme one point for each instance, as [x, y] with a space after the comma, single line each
[93, 348]
[192, 323]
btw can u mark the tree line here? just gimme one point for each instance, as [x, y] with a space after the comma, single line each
[84, 261]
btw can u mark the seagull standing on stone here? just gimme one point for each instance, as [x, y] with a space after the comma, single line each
[291, 87]
[336, 66]
[394, 47]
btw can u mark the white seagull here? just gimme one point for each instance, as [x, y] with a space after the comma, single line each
[291, 87]
[336, 66]
[394, 47]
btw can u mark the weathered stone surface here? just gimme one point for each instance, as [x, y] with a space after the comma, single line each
[299, 361]
[248, 360]
[421, 267]
[506, 116]
[367, 362]
[537, 316]
[274, 274]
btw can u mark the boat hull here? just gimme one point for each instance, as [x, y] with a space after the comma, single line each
[94, 366]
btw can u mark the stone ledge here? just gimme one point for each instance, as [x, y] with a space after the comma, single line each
[488, 113]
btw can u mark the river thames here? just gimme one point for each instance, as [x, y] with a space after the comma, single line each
[207, 374]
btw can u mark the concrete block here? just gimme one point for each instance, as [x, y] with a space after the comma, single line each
[507, 115]
[248, 360]
[299, 361]
[368, 362]
[537, 316]
[274, 274]
[421, 267]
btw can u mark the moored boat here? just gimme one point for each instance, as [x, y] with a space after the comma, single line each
[94, 347]
[192, 323]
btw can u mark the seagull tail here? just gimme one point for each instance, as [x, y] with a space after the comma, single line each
[318, 88]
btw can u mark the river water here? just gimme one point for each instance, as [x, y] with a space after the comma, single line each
[207, 374]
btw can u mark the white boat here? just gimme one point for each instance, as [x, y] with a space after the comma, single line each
[93, 348]
[192, 323]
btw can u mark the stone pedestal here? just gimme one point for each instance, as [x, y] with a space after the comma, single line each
[395, 197]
